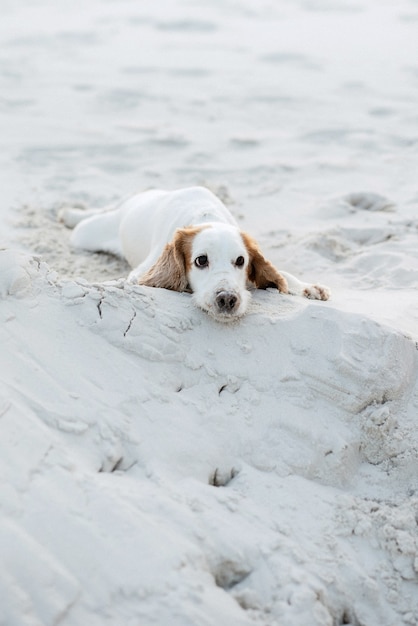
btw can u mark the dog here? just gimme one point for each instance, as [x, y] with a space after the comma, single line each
[187, 241]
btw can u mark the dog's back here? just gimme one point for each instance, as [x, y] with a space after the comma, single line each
[139, 227]
[150, 219]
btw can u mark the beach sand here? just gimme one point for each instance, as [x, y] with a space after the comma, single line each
[159, 467]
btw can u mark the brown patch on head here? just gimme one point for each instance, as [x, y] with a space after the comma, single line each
[260, 271]
[183, 241]
[172, 268]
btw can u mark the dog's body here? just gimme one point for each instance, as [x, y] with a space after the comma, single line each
[185, 240]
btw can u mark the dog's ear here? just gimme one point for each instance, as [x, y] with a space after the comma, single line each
[170, 271]
[260, 271]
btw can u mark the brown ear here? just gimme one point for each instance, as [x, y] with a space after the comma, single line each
[170, 271]
[260, 271]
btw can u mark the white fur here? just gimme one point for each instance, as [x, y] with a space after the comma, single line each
[140, 228]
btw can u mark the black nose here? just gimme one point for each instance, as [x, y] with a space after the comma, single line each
[226, 301]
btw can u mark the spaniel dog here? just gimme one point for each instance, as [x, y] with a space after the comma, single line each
[185, 240]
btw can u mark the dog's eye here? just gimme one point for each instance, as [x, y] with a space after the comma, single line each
[201, 261]
[240, 261]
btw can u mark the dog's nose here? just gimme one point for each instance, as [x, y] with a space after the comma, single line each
[226, 301]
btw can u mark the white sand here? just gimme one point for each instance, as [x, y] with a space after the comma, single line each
[158, 467]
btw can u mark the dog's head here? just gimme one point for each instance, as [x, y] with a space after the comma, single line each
[214, 261]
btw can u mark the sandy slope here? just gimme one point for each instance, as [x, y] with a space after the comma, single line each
[158, 467]
[119, 416]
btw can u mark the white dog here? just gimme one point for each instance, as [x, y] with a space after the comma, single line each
[185, 240]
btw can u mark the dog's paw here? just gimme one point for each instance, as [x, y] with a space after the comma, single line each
[317, 292]
[70, 217]
[133, 278]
